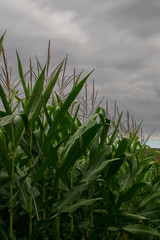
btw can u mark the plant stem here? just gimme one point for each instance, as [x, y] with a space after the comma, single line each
[72, 224]
[30, 211]
[56, 228]
[44, 175]
[44, 196]
[11, 198]
[57, 220]
[31, 189]
[11, 186]
[92, 219]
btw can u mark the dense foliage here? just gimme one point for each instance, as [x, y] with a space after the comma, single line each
[64, 179]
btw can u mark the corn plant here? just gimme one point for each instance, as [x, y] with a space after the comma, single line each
[67, 177]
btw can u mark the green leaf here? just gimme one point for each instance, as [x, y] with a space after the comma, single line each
[114, 134]
[25, 120]
[40, 227]
[150, 198]
[46, 95]
[73, 94]
[4, 157]
[82, 202]
[91, 174]
[14, 93]
[112, 229]
[21, 76]
[119, 153]
[3, 233]
[151, 211]
[4, 100]
[6, 120]
[34, 100]
[130, 217]
[77, 135]
[69, 197]
[24, 198]
[141, 229]
[121, 217]
[49, 159]
[131, 192]
[75, 151]
[135, 134]
[30, 108]
[122, 146]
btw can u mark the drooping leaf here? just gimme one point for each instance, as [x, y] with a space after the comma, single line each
[76, 151]
[151, 211]
[141, 229]
[6, 120]
[69, 198]
[82, 202]
[92, 173]
[150, 198]
[129, 194]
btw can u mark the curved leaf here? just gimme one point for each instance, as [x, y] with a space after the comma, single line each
[141, 229]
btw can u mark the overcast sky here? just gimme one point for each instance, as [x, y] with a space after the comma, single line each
[120, 39]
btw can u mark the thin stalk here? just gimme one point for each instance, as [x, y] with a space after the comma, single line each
[128, 122]
[44, 195]
[92, 219]
[11, 186]
[44, 175]
[71, 216]
[31, 75]
[31, 190]
[59, 181]
[86, 101]
[44, 199]
[56, 223]
[56, 228]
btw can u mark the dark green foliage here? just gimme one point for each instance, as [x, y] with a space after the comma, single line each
[61, 179]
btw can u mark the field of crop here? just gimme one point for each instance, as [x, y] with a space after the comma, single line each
[67, 171]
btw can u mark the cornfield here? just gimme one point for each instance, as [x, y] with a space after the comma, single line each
[67, 170]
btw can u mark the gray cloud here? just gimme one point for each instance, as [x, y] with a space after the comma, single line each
[120, 39]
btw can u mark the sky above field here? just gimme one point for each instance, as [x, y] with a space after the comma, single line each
[120, 39]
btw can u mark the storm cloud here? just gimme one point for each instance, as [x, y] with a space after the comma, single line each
[120, 39]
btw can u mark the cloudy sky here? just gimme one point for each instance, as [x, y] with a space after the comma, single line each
[120, 39]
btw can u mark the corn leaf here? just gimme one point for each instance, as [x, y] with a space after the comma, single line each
[115, 132]
[31, 107]
[82, 202]
[141, 229]
[21, 76]
[150, 198]
[46, 95]
[4, 100]
[76, 150]
[73, 94]
[6, 120]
